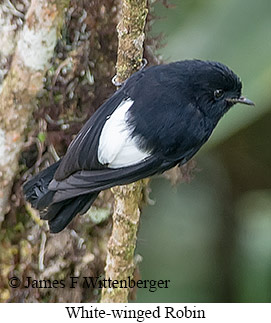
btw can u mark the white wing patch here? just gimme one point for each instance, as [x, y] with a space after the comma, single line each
[116, 147]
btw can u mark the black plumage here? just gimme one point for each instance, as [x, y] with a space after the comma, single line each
[161, 116]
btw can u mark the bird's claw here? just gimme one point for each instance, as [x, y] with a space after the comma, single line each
[114, 81]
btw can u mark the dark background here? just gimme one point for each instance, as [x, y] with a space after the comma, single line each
[212, 237]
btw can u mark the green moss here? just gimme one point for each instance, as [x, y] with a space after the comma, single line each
[98, 215]
[42, 137]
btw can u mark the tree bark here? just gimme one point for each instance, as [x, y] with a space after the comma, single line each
[121, 246]
[8, 35]
[35, 47]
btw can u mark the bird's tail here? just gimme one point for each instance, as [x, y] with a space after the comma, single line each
[36, 190]
[58, 214]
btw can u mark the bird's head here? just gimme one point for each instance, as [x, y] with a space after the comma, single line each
[213, 87]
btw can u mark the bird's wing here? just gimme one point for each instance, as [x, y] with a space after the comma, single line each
[117, 148]
[83, 182]
[103, 138]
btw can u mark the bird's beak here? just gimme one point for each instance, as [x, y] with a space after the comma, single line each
[242, 100]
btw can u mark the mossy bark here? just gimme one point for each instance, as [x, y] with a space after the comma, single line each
[131, 37]
[121, 246]
[35, 48]
[75, 85]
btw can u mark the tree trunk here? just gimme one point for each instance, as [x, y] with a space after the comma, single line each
[120, 255]
[35, 47]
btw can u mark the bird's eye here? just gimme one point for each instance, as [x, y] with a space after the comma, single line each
[218, 94]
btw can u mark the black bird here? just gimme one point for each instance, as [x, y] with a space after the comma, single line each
[159, 118]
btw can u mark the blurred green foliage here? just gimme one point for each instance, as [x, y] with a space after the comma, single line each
[212, 237]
